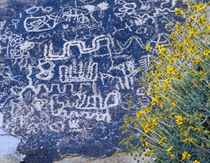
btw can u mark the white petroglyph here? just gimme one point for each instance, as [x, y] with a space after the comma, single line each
[87, 1]
[173, 2]
[50, 21]
[84, 104]
[73, 69]
[2, 23]
[1, 120]
[46, 70]
[129, 71]
[145, 61]
[35, 9]
[26, 46]
[17, 46]
[82, 72]
[38, 24]
[74, 125]
[41, 23]
[15, 22]
[90, 8]
[75, 14]
[103, 5]
[97, 43]
[57, 126]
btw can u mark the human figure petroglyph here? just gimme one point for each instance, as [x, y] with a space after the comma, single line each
[75, 14]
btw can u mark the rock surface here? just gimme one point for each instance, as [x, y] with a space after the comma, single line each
[8, 147]
[121, 158]
[67, 69]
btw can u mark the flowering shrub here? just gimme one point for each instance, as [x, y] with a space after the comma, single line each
[174, 126]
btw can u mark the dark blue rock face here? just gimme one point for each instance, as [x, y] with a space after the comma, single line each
[67, 68]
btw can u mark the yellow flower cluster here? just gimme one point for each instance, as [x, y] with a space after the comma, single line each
[148, 48]
[169, 152]
[188, 140]
[181, 69]
[179, 120]
[185, 156]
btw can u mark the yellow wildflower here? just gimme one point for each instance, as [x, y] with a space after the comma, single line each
[172, 156]
[151, 152]
[160, 48]
[188, 140]
[179, 77]
[197, 129]
[191, 37]
[186, 133]
[202, 74]
[158, 65]
[192, 49]
[201, 80]
[161, 141]
[186, 41]
[181, 47]
[201, 7]
[173, 105]
[185, 156]
[169, 70]
[153, 102]
[158, 74]
[139, 114]
[172, 115]
[185, 56]
[179, 120]
[145, 144]
[169, 152]
[171, 60]
[169, 149]
[202, 20]
[194, 63]
[192, 140]
[196, 161]
[206, 52]
[194, 31]
[168, 81]
[166, 87]
[174, 71]
[177, 56]
[179, 12]
[146, 128]
[148, 48]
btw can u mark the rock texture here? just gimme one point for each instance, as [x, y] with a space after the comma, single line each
[67, 68]
[8, 147]
[121, 158]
